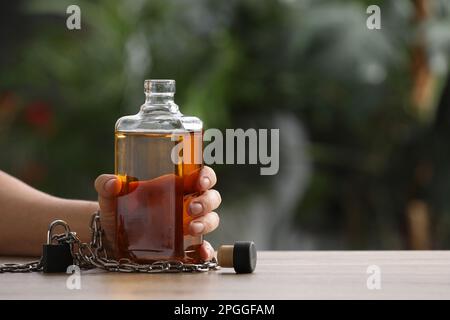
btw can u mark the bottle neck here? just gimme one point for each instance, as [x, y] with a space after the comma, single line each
[160, 102]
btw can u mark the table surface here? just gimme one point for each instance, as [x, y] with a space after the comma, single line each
[278, 275]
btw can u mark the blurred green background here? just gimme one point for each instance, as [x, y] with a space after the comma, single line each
[363, 114]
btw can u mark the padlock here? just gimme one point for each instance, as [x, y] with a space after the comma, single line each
[56, 257]
[241, 256]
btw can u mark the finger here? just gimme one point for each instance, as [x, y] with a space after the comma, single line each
[107, 185]
[206, 202]
[204, 224]
[206, 251]
[206, 179]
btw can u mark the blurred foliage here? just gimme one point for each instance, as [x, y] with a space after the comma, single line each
[61, 92]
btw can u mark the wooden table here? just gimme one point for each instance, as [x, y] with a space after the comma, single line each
[279, 275]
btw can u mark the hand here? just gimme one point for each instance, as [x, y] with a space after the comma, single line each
[200, 208]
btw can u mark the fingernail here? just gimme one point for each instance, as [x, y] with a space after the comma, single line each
[110, 185]
[197, 227]
[205, 182]
[195, 208]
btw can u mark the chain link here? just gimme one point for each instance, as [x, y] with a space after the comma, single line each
[93, 255]
[21, 267]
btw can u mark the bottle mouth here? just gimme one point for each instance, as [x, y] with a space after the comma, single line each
[159, 87]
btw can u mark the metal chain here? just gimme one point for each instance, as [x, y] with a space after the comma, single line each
[94, 255]
[21, 267]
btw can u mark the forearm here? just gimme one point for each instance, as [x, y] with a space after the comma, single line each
[25, 214]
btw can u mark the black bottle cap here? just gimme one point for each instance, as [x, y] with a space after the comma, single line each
[244, 256]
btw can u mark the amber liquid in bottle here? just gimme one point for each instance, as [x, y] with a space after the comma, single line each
[152, 222]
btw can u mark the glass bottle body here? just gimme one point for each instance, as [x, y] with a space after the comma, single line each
[157, 180]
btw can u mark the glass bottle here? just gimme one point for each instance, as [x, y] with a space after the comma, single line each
[158, 156]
